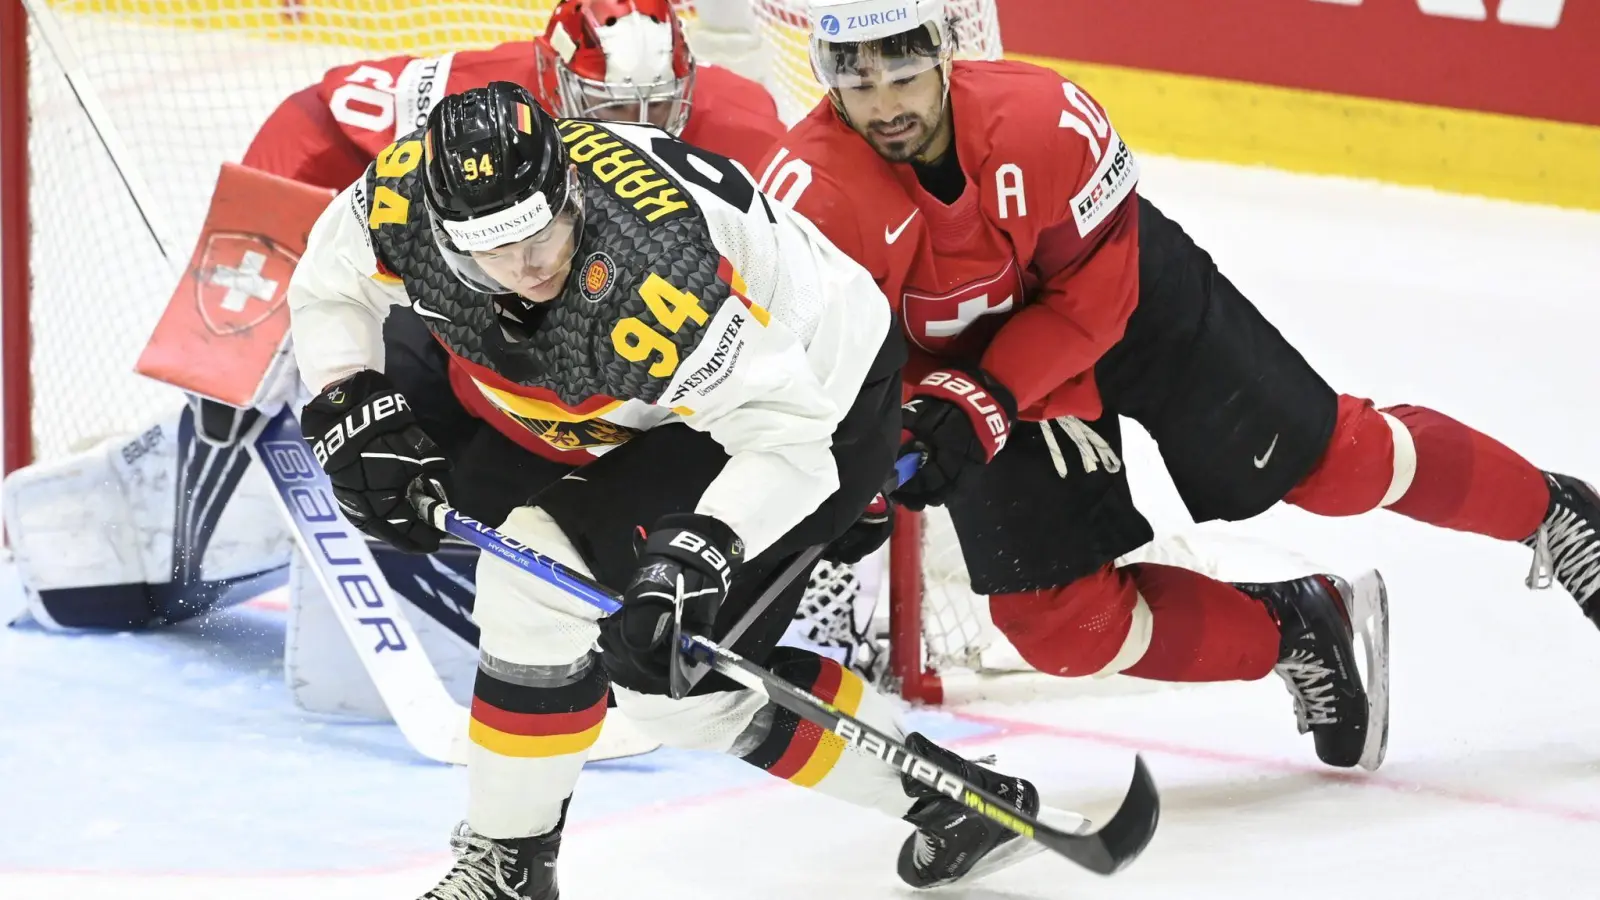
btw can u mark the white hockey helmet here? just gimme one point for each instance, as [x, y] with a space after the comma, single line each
[858, 42]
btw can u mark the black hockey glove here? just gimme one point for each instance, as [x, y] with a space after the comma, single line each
[685, 568]
[367, 439]
[958, 419]
[866, 534]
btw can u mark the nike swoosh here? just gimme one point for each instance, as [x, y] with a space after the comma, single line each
[890, 237]
[1261, 461]
[424, 311]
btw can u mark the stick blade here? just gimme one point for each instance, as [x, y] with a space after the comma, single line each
[1120, 841]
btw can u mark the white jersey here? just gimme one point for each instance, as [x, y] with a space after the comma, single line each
[728, 312]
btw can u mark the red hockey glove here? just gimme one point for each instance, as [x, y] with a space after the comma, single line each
[958, 419]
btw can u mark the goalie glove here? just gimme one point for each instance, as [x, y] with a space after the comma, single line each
[958, 420]
[685, 567]
[367, 439]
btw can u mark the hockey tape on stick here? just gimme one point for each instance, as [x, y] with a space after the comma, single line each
[1104, 851]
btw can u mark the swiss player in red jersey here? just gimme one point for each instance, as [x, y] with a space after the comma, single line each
[606, 59]
[997, 207]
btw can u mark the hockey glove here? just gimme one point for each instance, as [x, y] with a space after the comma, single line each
[958, 420]
[866, 534]
[684, 571]
[367, 439]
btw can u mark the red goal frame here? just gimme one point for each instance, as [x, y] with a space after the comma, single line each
[16, 385]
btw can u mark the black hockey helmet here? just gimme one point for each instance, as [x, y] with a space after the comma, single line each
[501, 194]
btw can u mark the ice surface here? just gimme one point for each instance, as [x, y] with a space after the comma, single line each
[173, 765]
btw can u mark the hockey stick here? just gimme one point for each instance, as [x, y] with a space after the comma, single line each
[369, 611]
[1104, 851]
[687, 674]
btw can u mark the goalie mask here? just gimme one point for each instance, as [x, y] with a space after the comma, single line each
[504, 202]
[619, 60]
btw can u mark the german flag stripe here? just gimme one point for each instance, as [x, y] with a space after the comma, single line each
[800, 751]
[538, 724]
[524, 118]
[523, 746]
[524, 721]
[735, 282]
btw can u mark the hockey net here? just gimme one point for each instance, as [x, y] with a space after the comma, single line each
[117, 116]
[131, 107]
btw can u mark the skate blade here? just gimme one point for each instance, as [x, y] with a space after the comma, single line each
[1369, 619]
[1018, 849]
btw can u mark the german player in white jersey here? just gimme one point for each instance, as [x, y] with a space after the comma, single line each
[608, 285]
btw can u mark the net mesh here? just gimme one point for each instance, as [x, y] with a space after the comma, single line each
[183, 86]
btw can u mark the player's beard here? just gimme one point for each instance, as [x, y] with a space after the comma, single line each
[901, 147]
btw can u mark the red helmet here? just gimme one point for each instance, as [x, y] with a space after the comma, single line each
[622, 60]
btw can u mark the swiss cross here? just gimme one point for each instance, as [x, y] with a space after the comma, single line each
[244, 283]
[967, 312]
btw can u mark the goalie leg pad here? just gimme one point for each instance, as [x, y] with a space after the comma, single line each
[540, 696]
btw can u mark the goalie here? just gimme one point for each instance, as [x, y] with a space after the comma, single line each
[624, 60]
[612, 286]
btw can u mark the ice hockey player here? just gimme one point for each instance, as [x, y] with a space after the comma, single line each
[597, 58]
[1044, 297]
[607, 284]
[606, 59]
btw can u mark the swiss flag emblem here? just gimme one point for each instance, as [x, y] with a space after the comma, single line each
[242, 280]
[956, 321]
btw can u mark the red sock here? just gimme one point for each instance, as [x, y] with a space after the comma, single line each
[1200, 629]
[1205, 629]
[1443, 473]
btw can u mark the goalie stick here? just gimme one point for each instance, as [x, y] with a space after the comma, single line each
[1103, 851]
[369, 609]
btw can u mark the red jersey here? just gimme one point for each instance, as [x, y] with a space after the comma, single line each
[1032, 272]
[326, 134]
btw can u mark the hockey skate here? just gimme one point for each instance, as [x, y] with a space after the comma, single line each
[1320, 616]
[954, 845]
[490, 869]
[1566, 547]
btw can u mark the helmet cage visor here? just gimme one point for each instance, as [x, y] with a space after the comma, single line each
[875, 63]
[664, 103]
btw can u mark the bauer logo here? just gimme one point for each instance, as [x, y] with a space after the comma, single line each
[242, 281]
[330, 544]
